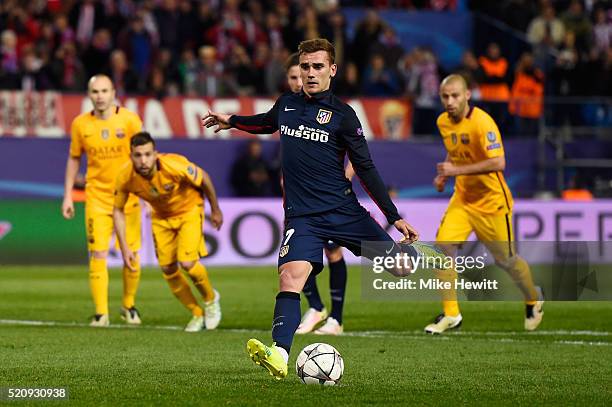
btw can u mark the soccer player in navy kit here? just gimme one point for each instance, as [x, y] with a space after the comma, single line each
[316, 131]
[316, 312]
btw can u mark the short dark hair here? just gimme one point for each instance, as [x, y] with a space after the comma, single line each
[140, 139]
[293, 60]
[318, 44]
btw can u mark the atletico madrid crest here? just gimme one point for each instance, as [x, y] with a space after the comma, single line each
[324, 116]
[284, 250]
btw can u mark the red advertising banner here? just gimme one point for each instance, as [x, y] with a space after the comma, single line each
[49, 114]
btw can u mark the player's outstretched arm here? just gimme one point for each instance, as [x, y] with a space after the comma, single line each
[119, 222]
[222, 121]
[72, 169]
[208, 189]
[263, 123]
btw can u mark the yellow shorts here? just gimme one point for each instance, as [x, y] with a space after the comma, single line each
[179, 238]
[494, 231]
[99, 228]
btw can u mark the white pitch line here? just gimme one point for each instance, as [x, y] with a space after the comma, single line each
[505, 333]
[459, 335]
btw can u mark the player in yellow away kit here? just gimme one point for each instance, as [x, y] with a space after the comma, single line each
[103, 135]
[174, 188]
[481, 202]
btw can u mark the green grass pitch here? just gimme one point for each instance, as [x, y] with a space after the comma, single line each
[388, 361]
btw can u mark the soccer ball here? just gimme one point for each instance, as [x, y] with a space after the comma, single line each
[319, 363]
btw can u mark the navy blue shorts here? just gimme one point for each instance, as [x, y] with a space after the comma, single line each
[348, 226]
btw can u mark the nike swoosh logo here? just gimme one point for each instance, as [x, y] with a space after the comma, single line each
[288, 109]
[390, 249]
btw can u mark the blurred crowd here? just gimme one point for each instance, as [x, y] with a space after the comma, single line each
[571, 40]
[196, 48]
[223, 48]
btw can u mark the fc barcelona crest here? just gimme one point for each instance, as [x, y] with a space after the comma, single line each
[465, 138]
[324, 116]
[120, 133]
[105, 134]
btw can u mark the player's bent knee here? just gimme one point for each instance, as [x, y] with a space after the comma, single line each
[99, 254]
[293, 275]
[169, 269]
